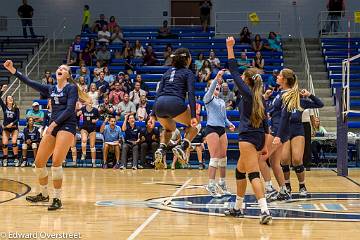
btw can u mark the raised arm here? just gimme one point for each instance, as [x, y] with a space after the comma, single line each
[191, 93]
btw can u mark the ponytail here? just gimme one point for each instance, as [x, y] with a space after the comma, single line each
[291, 98]
[83, 96]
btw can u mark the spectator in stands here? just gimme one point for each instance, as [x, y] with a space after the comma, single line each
[150, 57]
[99, 23]
[227, 95]
[102, 85]
[139, 51]
[167, 55]
[106, 109]
[124, 79]
[104, 35]
[94, 95]
[143, 109]
[26, 13]
[257, 44]
[127, 50]
[84, 73]
[117, 54]
[143, 85]
[273, 42]
[112, 139]
[117, 35]
[72, 58]
[132, 140]
[243, 62]
[92, 47]
[199, 63]
[78, 46]
[112, 24]
[31, 137]
[271, 81]
[205, 72]
[47, 118]
[103, 55]
[116, 95]
[259, 62]
[318, 131]
[136, 93]
[99, 68]
[129, 65]
[36, 114]
[214, 61]
[108, 76]
[198, 145]
[165, 31]
[245, 36]
[205, 9]
[336, 10]
[86, 56]
[48, 79]
[82, 84]
[85, 26]
[150, 140]
[125, 107]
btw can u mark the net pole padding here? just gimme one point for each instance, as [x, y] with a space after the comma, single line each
[341, 135]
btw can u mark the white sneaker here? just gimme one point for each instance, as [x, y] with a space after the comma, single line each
[33, 164]
[223, 187]
[23, 164]
[83, 157]
[5, 163]
[212, 190]
[16, 162]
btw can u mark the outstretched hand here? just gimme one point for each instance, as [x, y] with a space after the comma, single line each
[230, 42]
[8, 65]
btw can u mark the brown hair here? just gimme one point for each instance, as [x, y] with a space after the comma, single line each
[180, 57]
[291, 98]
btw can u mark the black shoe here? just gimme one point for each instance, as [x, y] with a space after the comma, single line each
[234, 213]
[56, 204]
[265, 218]
[37, 198]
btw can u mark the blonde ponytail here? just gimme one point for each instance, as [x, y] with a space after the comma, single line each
[83, 96]
[291, 98]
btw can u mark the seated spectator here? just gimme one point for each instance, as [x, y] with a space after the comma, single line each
[116, 95]
[127, 50]
[112, 24]
[106, 109]
[104, 35]
[139, 51]
[117, 35]
[199, 63]
[167, 55]
[214, 62]
[85, 26]
[318, 131]
[126, 83]
[117, 54]
[72, 58]
[243, 62]
[77, 46]
[245, 36]
[126, 107]
[316, 147]
[48, 79]
[228, 96]
[143, 109]
[150, 141]
[108, 76]
[131, 141]
[273, 42]
[36, 114]
[129, 66]
[259, 62]
[150, 57]
[86, 56]
[84, 73]
[99, 68]
[99, 24]
[102, 85]
[271, 81]
[165, 31]
[257, 44]
[82, 84]
[143, 85]
[136, 93]
[198, 145]
[204, 73]
[92, 47]
[31, 139]
[103, 55]
[94, 95]
[112, 139]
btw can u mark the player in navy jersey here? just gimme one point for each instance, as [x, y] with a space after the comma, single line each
[252, 129]
[60, 133]
[170, 107]
[10, 127]
[31, 140]
[90, 116]
[293, 149]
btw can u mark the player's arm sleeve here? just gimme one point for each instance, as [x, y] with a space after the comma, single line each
[42, 88]
[191, 93]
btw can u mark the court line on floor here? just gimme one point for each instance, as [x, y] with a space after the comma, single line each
[348, 178]
[154, 215]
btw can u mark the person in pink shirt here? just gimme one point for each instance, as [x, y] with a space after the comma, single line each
[116, 95]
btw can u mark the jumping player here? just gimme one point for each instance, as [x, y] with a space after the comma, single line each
[170, 107]
[215, 135]
[60, 133]
[253, 126]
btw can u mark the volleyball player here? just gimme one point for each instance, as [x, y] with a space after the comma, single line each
[10, 127]
[293, 149]
[60, 133]
[216, 136]
[253, 126]
[170, 107]
[90, 116]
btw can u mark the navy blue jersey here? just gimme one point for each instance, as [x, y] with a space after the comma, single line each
[33, 135]
[10, 115]
[245, 103]
[178, 82]
[89, 116]
[63, 101]
[149, 136]
[131, 134]
[312, 102]
[103, 86]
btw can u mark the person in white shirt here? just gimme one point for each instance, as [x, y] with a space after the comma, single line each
[139, 50]
[104, 35]
[136, 94]
[308, 120]
[214, 62]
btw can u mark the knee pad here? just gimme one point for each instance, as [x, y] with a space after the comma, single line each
[299, 169]
[239, 175]
[83, 145]
[5, 147]
[222, 162]
[285, 168]
[34, 145]
[24, 146]
[57, 173]
[41, 172]
[253, 175]
[93, 149]
[14, 145]
[214, 162]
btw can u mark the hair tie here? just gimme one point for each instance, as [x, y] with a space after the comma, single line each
[172, 55]
[256, 76]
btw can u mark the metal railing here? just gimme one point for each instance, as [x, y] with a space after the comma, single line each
[149, 21]
[334, 23]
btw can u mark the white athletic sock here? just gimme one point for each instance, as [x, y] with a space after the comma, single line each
[268, 185]
[283, 189]
[238, 203]
[221, 181]
[57, 193]
[44, 190]
[287, 181]
[263, 205]
[212, 182]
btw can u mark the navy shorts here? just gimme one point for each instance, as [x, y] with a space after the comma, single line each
[255, 138]
[66, 127]
[10, 130]
[211, 129]
[296, 129]
[89, 129]
[274, 131]
[169, 106]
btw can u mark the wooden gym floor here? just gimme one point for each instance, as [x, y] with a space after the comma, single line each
[126, 207]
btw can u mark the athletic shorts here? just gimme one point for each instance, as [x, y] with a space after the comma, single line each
[10, 130]
[88, 129]
[66, 127]
[214, 129]
[169, 106]
[255, 138]
[296, 129]
[274, 131]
